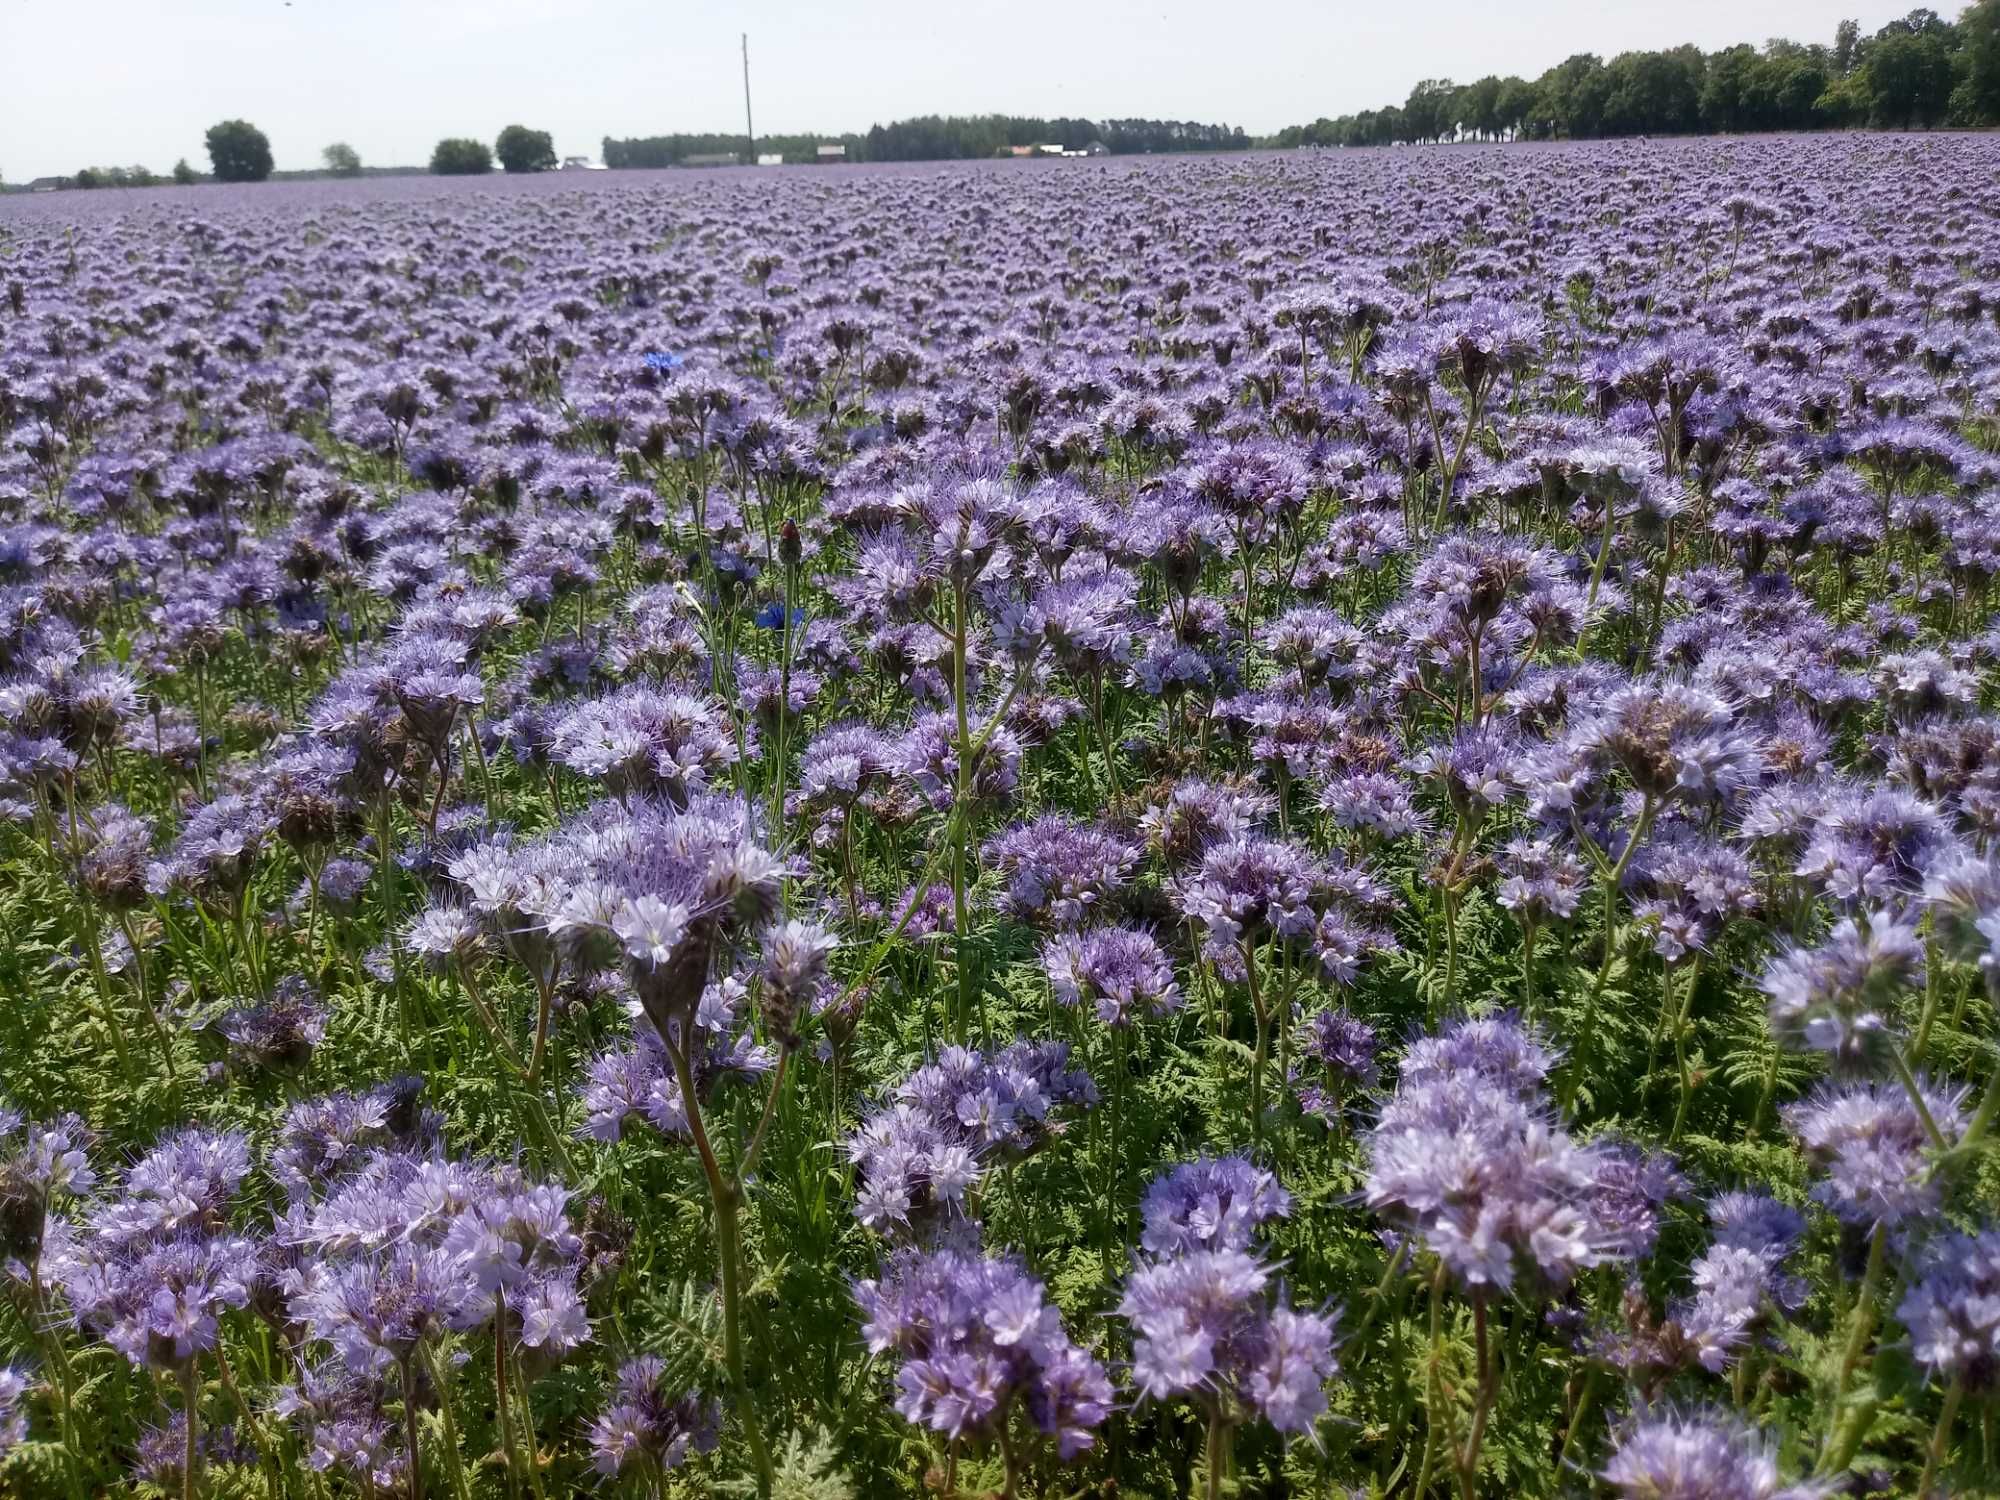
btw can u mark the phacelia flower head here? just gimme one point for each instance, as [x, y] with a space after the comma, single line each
[1698, 1457]
[1836, 997]
[976, 1334]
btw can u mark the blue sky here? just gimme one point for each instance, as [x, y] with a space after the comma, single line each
[100, 82]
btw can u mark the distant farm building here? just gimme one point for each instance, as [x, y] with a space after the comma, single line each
[582, 164]
[831, 151]
[1051, 149]
[770, 158]
[710, 159]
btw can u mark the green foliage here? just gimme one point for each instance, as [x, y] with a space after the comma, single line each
[461, 156]
[238, 152]
[808, 1468]
[342, 160]
[523, 150]
[185, 175]
[114, 177]
[942, 138]
[1919, 70]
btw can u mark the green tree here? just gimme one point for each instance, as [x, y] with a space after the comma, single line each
[1431, 111]
[239, 152]
[1846, 44]
[342, 160]
[1728, 92]
[1517, 101]
[1654, 92]
[1572, 98]
[523, 150]
[458, 156]
[185, 175]
[1977, 99]
[1909, 79]
[1479, 106]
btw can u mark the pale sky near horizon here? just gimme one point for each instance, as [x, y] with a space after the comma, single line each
[119, 82]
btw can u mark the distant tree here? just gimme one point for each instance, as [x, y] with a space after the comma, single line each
[342, 160]
[185, 175]
[1727, 92]
[1976, 101]
[1572, 97]
[1919, 69]
[1909, 79]
[1517, 100]
[1431, 112]
[1846, 43]
[1479, 106]
[458, 156]
[1844, 101]
[239, 152]
[1923, 21]
[523, 150]
[87, 178]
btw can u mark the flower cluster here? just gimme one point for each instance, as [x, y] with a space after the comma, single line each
[1468, 1158]
[948, 1123]
[1207, 1317]
[977, 1339]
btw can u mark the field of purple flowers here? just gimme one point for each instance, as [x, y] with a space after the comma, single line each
[1318, 826]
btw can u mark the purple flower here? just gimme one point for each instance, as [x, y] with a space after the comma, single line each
[1059, 872]
[13, 1418]
[1210, 1203]
[1869, 1140]
[648, 1423]
[1952, 1309]
[1343, 1046]
[1206, 1319]
[1836, 997]
[1121, 971]
[1467, 1157]
[1198, 815]
[918, 1156]
[975, 1335]
[1697, 1457]
[1739, 1276]
[1539, 880]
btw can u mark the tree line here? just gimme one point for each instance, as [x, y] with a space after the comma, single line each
[939, 138]
[1920, 70]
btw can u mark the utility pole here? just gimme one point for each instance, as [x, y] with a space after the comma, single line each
[748, 129]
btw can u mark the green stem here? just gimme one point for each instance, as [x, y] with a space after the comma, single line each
[416, 1475]
[1941, 1436]
[441, 1377]
[1597, 575]
[1217, 1457]
[1837, 1450]
[1435, 1420]
[1909, 1082]
[1488, 1387]
[1262, 1055]
[726, 1197]
[1585, 1399]
[191, 1445]
[501, 1393]
[1681, 1022]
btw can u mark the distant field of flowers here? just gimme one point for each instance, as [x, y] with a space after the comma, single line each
[1315, 826]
